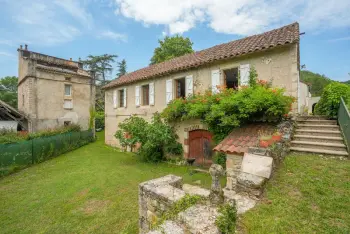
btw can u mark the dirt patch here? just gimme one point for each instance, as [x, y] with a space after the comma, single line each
[295, 193]
[83, 193]
[315, 208]
[93, 206]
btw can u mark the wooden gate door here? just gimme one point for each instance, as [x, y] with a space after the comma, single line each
[200, 146]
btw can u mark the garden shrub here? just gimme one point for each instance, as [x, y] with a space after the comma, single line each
[330, 99]
[153, 137]
[220, 158]
[174, 148]
[230, 108]
[226, 221]
[99, 120]
[12, 137]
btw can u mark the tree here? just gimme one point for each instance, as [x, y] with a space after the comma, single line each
[171, 47]
[8, 90]
[100, 65]
[316, 81]
[121, 68]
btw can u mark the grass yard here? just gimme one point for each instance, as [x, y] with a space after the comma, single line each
[93, 189]
[309, 194]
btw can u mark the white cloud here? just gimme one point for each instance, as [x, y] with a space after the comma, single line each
[6, 54]
[45, 22]
[112, 35]
[340, 39]
[242, 17]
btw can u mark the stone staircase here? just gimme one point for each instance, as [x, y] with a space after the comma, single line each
[317, 134]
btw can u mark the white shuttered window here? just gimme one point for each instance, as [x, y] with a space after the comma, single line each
[115, 103]
[215, 80]
[169, 91]
[124, 97]
[137, 95]
[244, 71]
[189, 85]
[151, 94]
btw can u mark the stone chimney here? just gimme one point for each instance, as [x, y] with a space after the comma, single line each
[25, 47]
[70, 59]
[20, 47]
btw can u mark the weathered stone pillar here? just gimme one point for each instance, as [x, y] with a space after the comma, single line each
[233, 168]
[216, 194]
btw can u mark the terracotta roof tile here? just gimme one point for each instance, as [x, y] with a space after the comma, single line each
[240, 139]
[281, 36]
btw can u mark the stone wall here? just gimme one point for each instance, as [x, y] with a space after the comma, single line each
[248, 174]
[157, 196]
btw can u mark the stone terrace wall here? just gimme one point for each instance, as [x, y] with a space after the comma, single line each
[155, 197]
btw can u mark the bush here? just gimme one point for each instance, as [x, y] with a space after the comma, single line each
[229, 109]
[100, 120]
[330, 99]
[220, 158]
[174, 148]
[154, 137]
[12, 137]
[226, 221]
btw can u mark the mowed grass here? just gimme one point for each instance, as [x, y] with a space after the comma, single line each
[93, 189]
[309, 194]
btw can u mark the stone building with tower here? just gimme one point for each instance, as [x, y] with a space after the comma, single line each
[53, 92]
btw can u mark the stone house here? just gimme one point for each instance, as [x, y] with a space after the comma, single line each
[53, 92]
[273, 54]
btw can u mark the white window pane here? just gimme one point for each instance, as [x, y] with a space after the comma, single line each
[67, 90]
[68, 104]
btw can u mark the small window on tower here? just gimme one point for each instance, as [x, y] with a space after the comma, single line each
[121, 98]
[67, 90]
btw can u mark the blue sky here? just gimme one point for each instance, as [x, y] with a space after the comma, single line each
[131, 28]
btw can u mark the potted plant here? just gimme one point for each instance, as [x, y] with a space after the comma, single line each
[265, 141]
[276, 136]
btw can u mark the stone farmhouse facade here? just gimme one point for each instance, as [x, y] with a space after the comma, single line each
[273, 54]
[53, 92]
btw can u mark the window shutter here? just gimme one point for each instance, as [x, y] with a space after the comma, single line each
[115, 99]
[215, 80]
[124, 97]
[244, 71]
[151, 94]
[189, 85]
[137, 95]
[169, 91]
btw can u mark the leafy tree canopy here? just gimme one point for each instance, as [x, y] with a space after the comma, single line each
[121, 68]
[100, 64]
[171, 47]
[8, 90]
[316, 81]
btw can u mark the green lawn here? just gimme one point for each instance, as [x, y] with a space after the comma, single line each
[309, 194]
[93, 189]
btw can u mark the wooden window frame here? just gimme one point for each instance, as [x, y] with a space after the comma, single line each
[120, 98]
[177, 81]
[145, 95]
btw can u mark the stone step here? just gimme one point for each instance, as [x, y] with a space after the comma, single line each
[318, 132]
[312, 117]
[318, 127]
[317, 121]
[319, 151]
[324, 139]
[199, 219]
[318, 145]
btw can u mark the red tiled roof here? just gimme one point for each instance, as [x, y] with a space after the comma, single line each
[240, 139]
[277, 37]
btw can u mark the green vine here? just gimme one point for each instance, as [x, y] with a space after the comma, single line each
[183, 204]
[226, 221]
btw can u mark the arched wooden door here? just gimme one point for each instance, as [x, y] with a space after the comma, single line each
[200, 146]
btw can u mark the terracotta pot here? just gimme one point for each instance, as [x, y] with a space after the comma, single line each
[264, 144]
[276, 138]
